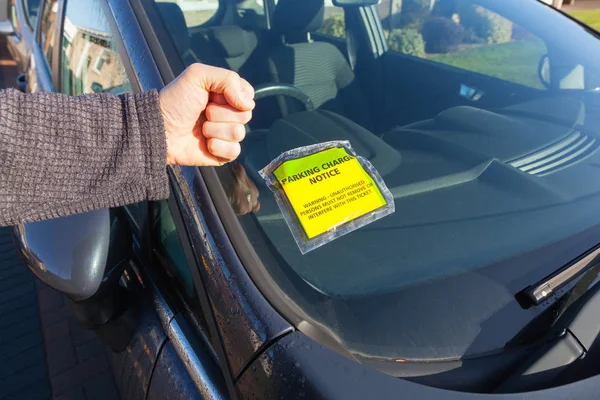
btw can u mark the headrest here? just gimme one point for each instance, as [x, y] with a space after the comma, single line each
[230, 40]
[293, 17]
[175, 22]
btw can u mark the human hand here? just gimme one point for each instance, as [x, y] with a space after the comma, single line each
[204, 111]
[241, 191]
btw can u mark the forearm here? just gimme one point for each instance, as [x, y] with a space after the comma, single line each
[62, 155]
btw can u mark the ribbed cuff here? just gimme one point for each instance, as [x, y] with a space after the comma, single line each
[152, 129]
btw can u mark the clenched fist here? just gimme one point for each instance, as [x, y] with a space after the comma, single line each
[204, 110]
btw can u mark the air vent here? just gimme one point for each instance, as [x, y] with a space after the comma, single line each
[568, 151]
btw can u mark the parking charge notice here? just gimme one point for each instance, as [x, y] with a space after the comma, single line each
[327, 189]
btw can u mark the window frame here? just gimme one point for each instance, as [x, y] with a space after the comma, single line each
[26, 12]
[51, 70]
[13, 8]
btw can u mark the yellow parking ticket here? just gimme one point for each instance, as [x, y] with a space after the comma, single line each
[329, 190]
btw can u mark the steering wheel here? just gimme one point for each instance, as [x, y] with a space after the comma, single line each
[283, 89]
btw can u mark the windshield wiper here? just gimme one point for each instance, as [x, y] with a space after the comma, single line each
[539, 292]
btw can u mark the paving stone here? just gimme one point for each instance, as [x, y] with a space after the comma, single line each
[60, 355]
[78, 374]
[56, 331]
[38, 391]
[73, 394]
[24, 289]
[58, 314]
[16, 280]
[49, 299]
[9, 270]
[20, 344]
[12, 317]
[101, 387]
[18, 304]
[13, 384]
[19, 329]
[22, 361]
[79, 334]
[90, 349]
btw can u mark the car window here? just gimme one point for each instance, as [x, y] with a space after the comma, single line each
[31, 10]
[90, 62]
[464, 35]
[333, 22]
[196, 13]
[48, 30]
[493, 168]
[13, 16]
[168, 244]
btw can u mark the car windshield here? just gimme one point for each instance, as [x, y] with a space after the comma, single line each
[482, 118]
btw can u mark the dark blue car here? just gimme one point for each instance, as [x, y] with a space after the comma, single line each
[481, 116]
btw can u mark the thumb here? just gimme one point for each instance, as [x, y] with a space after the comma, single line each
[237, 91]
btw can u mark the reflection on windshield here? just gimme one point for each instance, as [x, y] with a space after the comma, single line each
[96, 66]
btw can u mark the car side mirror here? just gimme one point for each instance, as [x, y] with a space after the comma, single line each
[75, 255]
[6, 28]
[83, 256]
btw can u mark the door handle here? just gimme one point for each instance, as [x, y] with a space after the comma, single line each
[22, 82]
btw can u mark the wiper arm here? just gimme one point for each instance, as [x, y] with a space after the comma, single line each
[539, 292]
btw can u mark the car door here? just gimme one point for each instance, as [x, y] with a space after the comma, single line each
[94, 58]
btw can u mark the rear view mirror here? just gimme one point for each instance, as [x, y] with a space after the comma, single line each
[356, 3]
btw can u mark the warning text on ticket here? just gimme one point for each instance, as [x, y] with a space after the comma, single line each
[327, 189]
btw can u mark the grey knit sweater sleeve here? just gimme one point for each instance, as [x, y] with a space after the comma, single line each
[61, 155]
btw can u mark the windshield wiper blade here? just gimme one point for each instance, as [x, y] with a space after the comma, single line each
[539, 292]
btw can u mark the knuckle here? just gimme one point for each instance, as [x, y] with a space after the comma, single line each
[194, 68]
[207, 128]
[246, 117]
[239, 132]
[210, 112]
[234, 151]
[232, 77]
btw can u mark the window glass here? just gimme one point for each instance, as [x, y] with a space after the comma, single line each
[48, 29]
[90, 62]
[196, 12]
[169, 246]
[333, 22]
[493, 166]
[31, 9]
[13, 16]
[465, 35]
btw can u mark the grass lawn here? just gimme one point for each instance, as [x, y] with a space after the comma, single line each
[589, 17]
[515, 62]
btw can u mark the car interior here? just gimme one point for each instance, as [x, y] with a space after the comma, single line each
[497, 161]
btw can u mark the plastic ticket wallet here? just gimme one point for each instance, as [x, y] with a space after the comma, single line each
[325, 191]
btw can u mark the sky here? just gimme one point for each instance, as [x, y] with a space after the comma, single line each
[87, 14]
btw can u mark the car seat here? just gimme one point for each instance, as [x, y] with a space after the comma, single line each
[318, 68]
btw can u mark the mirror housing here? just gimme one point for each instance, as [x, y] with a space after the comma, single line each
[83, 256]
[6, 28]
[355, 3]
[80, 255]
